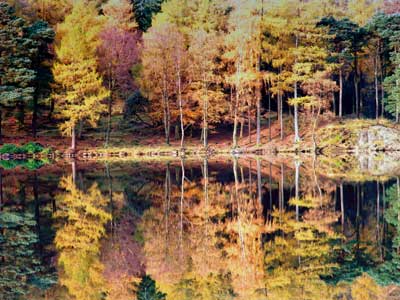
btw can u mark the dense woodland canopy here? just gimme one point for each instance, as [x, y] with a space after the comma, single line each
[191, 67]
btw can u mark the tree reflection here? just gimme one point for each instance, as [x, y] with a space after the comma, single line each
[78, 240]
[247, 229]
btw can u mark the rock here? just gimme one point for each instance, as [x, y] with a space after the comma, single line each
[380, 164]
[378, 138]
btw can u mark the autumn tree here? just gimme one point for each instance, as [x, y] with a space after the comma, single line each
[164, 61]
[205, 86]
[243, 53]
[81, 91]
[53, 12]
[118, 52]
[78, 239]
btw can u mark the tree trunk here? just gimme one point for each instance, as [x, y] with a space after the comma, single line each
[397, 103]
[280, 104]
[166, 117]
[108, 131]
[258, 122]
[236, 108]
[269, 116]
[80, 129]
[235, 121]
[259, 180]
[249, 123]
[73, 139]
[295, 107]
[21, 116]
[51, 110]
[205, 118]
[314, 138]
[241, 128]
[376, 87]
[205, 174]
[357, 95]
[181, 207]
[296, 123]
[181, 108]
[73, 171]
[36, 199]
[382, 89]
[167, 195]
[281, 189]
[342, 206]
[1, 190]
[34, 116]
[1, 125]
[297, 179]
[340, 93]
[110, 195]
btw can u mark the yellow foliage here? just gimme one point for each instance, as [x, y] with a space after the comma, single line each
[81, 90]
[78, 240]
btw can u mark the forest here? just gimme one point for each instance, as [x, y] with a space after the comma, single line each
[188, 71]
[199, 149]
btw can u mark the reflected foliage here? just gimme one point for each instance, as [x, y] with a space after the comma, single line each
[22, 268]
[78, 240]
[185, 230]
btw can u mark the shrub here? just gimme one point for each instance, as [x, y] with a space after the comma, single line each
[33, 147]
[11, 149]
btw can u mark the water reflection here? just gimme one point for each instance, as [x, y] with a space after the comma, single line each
[231, 229]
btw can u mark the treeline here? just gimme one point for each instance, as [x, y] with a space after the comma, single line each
[195, 65]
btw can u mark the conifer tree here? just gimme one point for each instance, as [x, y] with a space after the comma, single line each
[22, 75]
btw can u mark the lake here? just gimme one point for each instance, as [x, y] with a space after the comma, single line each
[223, 228]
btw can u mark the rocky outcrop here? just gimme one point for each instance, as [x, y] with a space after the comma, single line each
[380, 163]
[378, 138]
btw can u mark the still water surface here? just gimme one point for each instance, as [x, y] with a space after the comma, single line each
[228, 229]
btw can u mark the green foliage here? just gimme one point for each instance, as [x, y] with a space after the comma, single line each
[31, 148]
[135, 103]
[11, 149]
[388, 272]
[21, 269]
[144, 11]
[147, 290]
[29, 164]
[23, 51]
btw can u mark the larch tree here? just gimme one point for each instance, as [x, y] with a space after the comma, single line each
[360, 11]
[81, 92]
[53, 12]
[308, 51]
[78, 240]
[120, 14]
[199, 20]
[205, 86]
[275, 43]
[243, 52]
